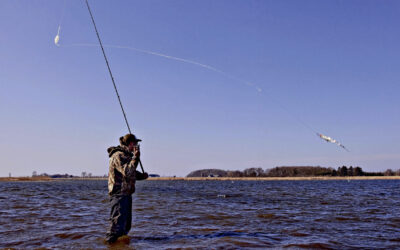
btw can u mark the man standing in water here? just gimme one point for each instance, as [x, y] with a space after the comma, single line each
[121, 184]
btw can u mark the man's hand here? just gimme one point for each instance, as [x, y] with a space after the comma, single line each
[145, 175]
[136, 151]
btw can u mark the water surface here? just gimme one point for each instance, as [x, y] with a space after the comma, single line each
[205, 214]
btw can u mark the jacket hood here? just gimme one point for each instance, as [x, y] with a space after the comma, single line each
[121, 148]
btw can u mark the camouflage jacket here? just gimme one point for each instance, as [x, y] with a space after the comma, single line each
[122, 172]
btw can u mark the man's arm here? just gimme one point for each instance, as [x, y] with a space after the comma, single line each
[124, 168]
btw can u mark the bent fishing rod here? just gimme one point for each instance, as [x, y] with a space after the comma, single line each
[111, 75]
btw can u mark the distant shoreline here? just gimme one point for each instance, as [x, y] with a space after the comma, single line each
[39, 179]
[276, 178]
[316, 178]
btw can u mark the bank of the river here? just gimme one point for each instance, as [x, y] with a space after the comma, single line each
[25, 179]
[47, 178]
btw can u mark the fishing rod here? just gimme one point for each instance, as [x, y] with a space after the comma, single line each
[111, 75]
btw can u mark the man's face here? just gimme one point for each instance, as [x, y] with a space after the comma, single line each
[132, 145]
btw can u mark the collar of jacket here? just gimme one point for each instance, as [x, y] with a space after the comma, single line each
[120, 148]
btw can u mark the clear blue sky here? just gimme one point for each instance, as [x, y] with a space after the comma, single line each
[333, 64]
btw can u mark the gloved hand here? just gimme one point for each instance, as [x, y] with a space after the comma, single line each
[136, 151]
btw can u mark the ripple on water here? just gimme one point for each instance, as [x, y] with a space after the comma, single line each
[316, 245]
[19, 206]
[219, 216]
[233, 242]
[268, 216]
[72, 236]
[299, 234]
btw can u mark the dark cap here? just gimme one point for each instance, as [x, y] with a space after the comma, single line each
[127, 139]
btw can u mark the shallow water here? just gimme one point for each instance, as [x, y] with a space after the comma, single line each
[205, 214]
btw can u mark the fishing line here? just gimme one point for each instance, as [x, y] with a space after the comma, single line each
[208, 67]
[214, 69]
[218, 71]
[111, 75]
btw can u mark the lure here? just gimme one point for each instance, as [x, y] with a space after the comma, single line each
[57, 38]
[331, 140]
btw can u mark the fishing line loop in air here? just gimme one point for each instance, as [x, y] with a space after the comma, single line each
[183, 60]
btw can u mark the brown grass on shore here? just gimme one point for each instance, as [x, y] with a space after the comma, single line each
[42, 178]
[38, 178]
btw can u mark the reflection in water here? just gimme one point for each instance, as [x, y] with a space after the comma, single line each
[198, 214]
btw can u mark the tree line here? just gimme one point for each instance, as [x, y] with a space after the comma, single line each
[83, 175]
[292, 171]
